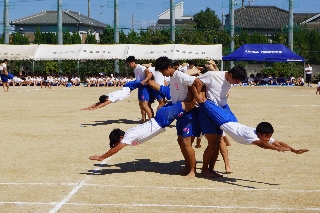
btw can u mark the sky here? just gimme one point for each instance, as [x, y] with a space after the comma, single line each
[142, 13]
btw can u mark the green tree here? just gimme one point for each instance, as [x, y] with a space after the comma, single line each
[76, 39]
[91, 39]
[67, 39]
[314, 42]
[107, 36]
[258, 38]
[133, 37]
[207, 20]
[19, 39]
[50, 38]
[38, 37]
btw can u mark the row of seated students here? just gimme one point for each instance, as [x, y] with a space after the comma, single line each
[27, 80]
[260, 80]
[106, 81]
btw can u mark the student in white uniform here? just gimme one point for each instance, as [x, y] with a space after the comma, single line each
[217, 85]
[144, 132]
[260, 136]
[187, 125]
[142, 74]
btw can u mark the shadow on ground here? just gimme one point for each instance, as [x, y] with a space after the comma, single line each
[107, 122]
[169, 168]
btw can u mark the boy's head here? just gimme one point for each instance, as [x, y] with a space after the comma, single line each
[237, 75]
[165, 66]
[176, 65]
[103, 98]
[131, 61]
[115, 137]
[264, 131]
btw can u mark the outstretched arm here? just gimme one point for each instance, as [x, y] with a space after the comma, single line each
[97, 105]
[270, 146]
[148, 76]
[109, 153]
[282, 144]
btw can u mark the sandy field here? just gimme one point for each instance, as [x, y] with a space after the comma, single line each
[46, 140]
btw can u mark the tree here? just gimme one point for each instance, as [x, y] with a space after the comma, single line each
[38, 37]
[107, 35]
[76, 39]
[314, 41]
[207, 20]
[91, 38]
[67, 39]
[19, 39]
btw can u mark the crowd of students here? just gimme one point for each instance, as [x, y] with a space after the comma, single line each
[107, 80]
[265, 79]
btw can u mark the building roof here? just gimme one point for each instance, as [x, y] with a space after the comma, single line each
[260, 17]
[49, 17]
[177, 21]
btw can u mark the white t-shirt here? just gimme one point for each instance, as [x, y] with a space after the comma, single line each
[241, 133]
[139, 72]
[319, 84]
[308, 70]
[183, 69]
[142, 133]
[179, 84]
[119, 94]
[158, 77]
[1, 67]
[217, 87]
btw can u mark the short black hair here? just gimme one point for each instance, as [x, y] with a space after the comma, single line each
[176, 63]
[114, 136]
[163, 63]
[103, 98]
[238, 73]
[264, 128]
[131, 59]
[191, 62]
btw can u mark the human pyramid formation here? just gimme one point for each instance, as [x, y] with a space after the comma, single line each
[192, 99]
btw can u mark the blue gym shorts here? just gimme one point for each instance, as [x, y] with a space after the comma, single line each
[168, 113]
[5, 78]
[219, 115]
[207, 126]
[165, 90]
[157, 94]
[143, 94]
[133, 85]
[188, 125]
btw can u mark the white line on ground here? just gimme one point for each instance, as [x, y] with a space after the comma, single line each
[169, 206]
[175, 188]
[75, 189]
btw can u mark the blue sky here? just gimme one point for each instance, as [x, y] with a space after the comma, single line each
[145, 12]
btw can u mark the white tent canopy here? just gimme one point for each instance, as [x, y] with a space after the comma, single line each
[112, 51]
[18, 52]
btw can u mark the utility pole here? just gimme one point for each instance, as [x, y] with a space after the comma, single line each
[116, 32]
[231, 16]
[6, 28]
[172, 22]
[88, 8]
[132, 23]
[59, 24]
[290, 36]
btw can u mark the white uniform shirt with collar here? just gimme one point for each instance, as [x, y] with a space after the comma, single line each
[139, 72]
[217, 86]
[179, 84]
[158, 77]
[241, 133]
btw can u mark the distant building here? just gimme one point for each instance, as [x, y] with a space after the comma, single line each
[268, 19]
[47, 21]
[180, 18]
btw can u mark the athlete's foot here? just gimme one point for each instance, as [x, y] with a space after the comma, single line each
[191, 175]
[184, 171]
[208, 174]
[228, 170]
[216, 175]
[300, 151]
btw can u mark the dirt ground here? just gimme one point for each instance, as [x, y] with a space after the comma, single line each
[46, 140]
